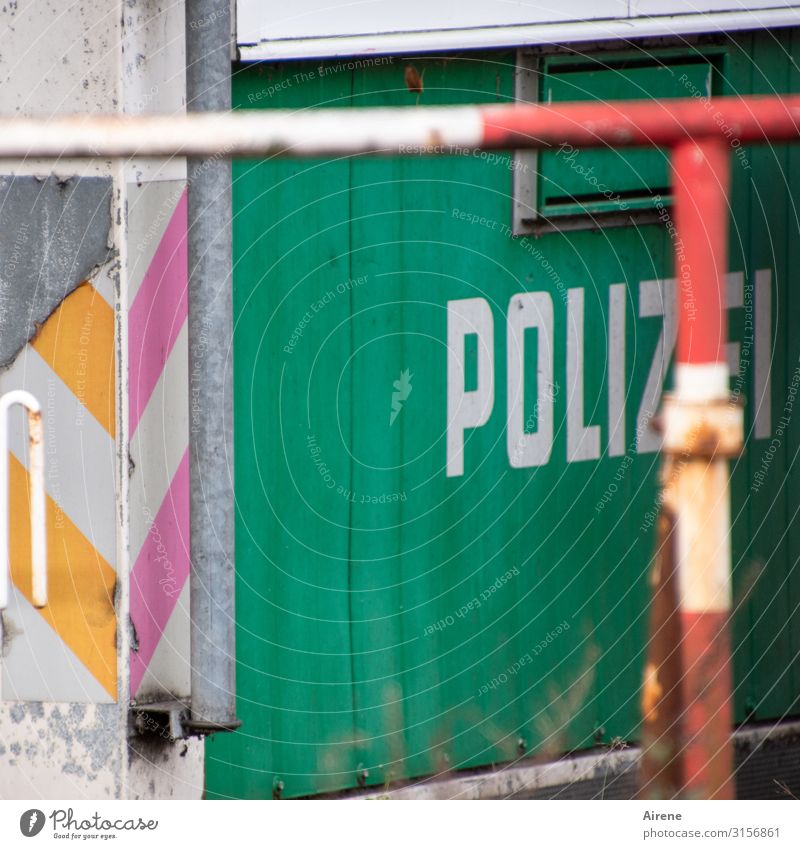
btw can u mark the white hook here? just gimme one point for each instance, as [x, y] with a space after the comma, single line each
[38, 518]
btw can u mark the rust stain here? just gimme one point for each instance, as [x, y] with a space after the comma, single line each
[651, 692]
[34, 428]
[705, 440]
[435, 139]
[413, 80]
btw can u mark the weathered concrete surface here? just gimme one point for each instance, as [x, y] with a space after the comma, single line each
[52, 751]
[53, 235]
[59, 57]
[98, 57]
[158, 769]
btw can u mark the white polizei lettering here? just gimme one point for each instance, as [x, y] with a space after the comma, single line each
[583, 443]
[734, 299]
[529, 309]
[467, 409]
[530, 442]
[616, 369]
[762, 390]
[656, 297]
[734, 290]
[733, 357]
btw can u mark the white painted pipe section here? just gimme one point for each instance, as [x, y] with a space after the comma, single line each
[37, 496]
[405, 131]
[702, 381]
[245, 133]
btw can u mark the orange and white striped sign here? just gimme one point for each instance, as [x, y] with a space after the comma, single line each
[66, 651]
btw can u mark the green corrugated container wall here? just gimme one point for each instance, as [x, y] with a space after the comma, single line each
[394, 621]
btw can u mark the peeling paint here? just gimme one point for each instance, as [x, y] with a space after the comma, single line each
[53, 234]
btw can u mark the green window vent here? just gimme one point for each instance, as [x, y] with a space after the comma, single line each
[569, 188]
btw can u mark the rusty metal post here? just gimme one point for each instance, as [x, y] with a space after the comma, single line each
[661, 767]
[702, 428]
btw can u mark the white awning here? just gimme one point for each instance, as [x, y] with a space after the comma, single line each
[310, 29]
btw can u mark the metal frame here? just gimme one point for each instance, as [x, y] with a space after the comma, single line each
[702, 429]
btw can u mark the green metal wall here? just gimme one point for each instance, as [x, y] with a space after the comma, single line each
[393, 621]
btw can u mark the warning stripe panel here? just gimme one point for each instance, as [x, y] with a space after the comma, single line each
[151, 206]
[168, 670]
[160, 572]
[80, 454]
[158, 312]
[77, 342]
[42, 667]
[159, 443]
[158, 388]
[70, 368]
[81, 584]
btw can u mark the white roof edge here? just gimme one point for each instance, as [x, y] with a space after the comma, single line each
[525, 35]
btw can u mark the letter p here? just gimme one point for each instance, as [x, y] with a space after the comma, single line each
[467, 409]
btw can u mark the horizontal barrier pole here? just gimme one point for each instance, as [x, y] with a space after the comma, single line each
[401, 130]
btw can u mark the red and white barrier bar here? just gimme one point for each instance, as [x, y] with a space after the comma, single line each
[702, 429]
[335, 132]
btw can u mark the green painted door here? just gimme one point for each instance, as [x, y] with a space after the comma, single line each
[446, 482]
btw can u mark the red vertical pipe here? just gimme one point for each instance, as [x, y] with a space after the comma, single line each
[700, 188]
[700, 495]
[708, 716]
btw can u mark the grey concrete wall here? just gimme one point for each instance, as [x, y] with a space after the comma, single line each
[66, 221]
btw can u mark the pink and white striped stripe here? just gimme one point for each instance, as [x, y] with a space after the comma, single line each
[159, 439]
